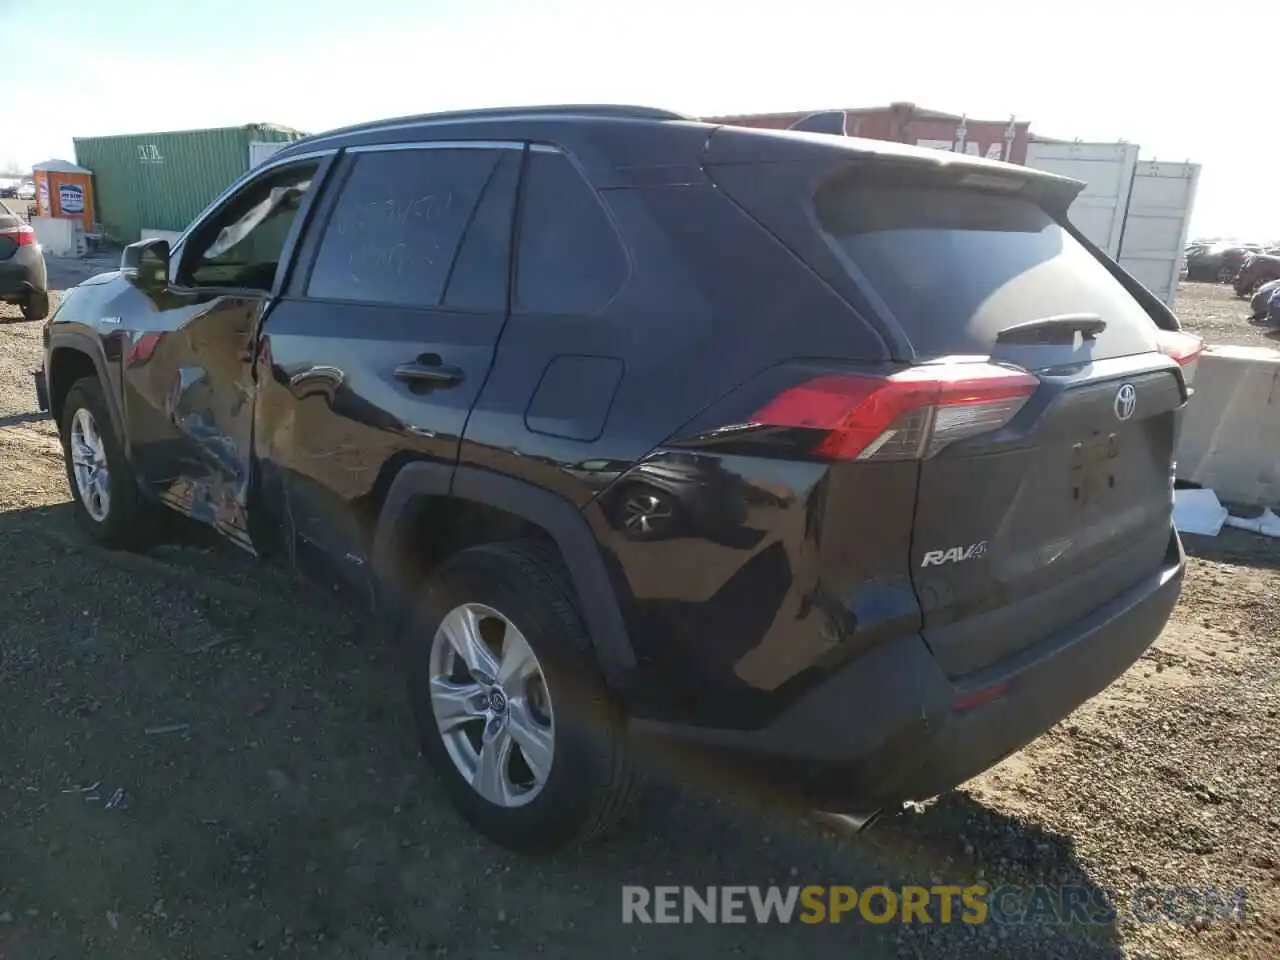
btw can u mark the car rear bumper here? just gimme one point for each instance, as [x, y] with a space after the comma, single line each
[892, 727]
[23, 273]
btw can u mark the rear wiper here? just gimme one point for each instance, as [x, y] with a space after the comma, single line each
[1061, 329]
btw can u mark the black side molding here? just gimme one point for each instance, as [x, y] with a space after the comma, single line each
[560, 518]
[92, 348]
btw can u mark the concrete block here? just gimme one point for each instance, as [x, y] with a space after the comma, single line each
[1230, 436]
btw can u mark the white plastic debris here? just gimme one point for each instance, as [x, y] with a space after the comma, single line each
[1198, 511]
[1268, 524]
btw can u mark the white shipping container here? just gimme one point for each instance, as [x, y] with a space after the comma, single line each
[1106, 169]
[260, 150]
[1156, 224]
[1136, 211]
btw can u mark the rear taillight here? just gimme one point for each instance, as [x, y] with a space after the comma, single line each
[907, 415]
[22, 236]
[1185, 348]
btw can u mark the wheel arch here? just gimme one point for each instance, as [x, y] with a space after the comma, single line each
[72, 357]
[423, 486]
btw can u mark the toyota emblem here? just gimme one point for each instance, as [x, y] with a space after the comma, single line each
[1126, 401]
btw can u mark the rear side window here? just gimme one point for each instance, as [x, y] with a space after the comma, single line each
[398, 224]
[955, 266]
[570, 259]
[482, 267]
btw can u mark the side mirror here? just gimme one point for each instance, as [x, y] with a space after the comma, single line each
[147, 261]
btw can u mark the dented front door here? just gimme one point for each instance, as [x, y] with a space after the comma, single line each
[189, 394]
[188, 345]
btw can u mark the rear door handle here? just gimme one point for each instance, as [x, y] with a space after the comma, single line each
[429, 374]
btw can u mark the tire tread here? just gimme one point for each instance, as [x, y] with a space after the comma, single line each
[540, 565]
[131, 521]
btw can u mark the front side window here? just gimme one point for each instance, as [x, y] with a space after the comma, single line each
[242, 245]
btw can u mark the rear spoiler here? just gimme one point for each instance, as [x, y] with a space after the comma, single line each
[822, 151]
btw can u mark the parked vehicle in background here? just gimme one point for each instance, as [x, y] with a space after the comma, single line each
[1257, 269]
[8, 188]
[23, 279]
[1273, 307]
[1217, 262]
[26, 189]
[850, 515]
[1261, 298]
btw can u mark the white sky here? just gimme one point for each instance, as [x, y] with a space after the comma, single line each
[1184, 80]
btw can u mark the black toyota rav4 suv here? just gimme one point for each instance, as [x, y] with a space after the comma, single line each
[843, 463]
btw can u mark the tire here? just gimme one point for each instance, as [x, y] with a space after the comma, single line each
[35, 306]
[588, 777]
[126, 521]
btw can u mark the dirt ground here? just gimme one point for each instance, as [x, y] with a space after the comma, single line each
[1213, 311]
[202, 758]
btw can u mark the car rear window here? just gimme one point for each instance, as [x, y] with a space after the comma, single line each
[954, 266]
[570, 259]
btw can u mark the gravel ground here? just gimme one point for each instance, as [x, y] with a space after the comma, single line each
[204, 758]
[1213, 311]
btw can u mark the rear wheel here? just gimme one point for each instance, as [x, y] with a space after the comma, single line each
[35, 306]
[510, 710]
[103, 485]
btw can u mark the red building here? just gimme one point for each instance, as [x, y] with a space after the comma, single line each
[905, 123]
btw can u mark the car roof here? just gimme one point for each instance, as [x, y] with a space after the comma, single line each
[610, 142]
[614, 144]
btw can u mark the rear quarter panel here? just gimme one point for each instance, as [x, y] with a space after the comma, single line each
[736, 602]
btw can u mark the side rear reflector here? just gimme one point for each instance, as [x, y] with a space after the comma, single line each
[1185, 348]
[911, 414]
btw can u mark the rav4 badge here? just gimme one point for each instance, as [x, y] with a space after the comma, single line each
[936, 558]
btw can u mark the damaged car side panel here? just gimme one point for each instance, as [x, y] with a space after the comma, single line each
[189, 396]
[82, 340]
[178, 333]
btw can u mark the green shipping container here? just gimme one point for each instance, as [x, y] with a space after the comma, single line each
[162, 181]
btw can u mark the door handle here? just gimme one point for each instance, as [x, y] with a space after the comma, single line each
[427, 370]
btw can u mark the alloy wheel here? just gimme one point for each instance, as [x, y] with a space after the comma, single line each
[644, 514]
[89, 465]
[492, 706]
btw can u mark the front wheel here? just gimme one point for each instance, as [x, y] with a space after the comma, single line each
[102, 481]
[510, 709]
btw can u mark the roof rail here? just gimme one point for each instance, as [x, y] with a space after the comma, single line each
[601, 111]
